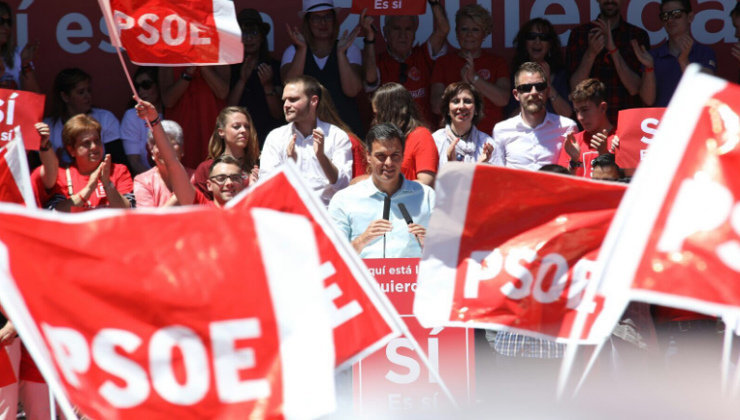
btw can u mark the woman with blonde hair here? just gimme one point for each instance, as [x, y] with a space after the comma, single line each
[234, 135]
[488, 73]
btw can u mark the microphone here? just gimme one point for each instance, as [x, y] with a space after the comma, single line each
[386, 215]
[407, 218]
[387, 207]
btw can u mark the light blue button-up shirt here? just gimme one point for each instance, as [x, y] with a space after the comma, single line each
[353, 208]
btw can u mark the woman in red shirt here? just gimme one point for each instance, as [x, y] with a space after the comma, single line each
[394, 104]
[91, 181]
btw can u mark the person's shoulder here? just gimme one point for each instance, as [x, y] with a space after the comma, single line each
[146, 177]
[277, 134]
[130, 116]
[420, 131]
[634, 29]
[507, 124]
[561, 120]
[352, 192]
[102, 115]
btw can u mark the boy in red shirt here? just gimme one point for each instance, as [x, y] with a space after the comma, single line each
[589, 102]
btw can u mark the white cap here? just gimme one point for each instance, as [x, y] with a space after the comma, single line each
[316, 6]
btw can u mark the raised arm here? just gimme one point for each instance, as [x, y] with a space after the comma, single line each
[294, 68]
[49, 161]
[441, 27]
[181, 186]
[349, 74]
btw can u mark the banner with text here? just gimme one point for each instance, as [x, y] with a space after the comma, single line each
[392, 382]
[22, 109]
[161, 32]
[636, 128]
[389, 7]
[202, 319]
[363, 318]
[676, 237]
[513, 250]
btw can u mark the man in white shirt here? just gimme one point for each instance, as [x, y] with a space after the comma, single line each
[534, 137]
[321, 150]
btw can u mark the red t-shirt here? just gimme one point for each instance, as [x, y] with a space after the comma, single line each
[419, 65]
[119, 176]
[419, 154]
[588, 153]
[201, 199]
[488, 66]
[359, 156]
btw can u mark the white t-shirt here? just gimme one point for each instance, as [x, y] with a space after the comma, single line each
[354, 55]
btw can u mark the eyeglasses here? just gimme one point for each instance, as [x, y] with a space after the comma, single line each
[221, 179]
[672, 14]
[531, 36]
[527, 87]
[329, 17]
[145, 84]
[403, 73]
[6, 21]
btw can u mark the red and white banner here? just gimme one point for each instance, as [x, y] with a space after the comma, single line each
[395, 381]
[187, 313]
[24, 109]
[15, 181]
[165, 32]
[513, 250]
[389, 7]
[675, 240]
[636, 128]
[363, 318]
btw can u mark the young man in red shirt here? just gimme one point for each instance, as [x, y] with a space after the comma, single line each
[589, 102]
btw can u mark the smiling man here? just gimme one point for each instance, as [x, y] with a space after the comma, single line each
[359, 209]
[321, 150]
[534, 137]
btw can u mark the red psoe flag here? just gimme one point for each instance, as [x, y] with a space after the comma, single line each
[15, 182]
[165, 32]
[513, 250]
[675, 240]
[181, 314]
[363, 319]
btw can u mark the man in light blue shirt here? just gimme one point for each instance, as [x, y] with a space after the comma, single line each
[358, 209]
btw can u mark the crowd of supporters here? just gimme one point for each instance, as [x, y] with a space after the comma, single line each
[202, 134]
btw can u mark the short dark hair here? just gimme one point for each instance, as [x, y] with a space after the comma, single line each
[685, 4]
[383, 131]
[311, 86]
[529, 67]
[607, 160]
[227, 159]
[555, 168]
[736, 10]
[589, 90]
[454, 89]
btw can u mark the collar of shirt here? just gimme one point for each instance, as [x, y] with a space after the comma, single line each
[550, 118]
[370, 189]
[300, 139]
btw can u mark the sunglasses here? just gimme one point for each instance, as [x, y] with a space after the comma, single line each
[672, 15]
[146, 85]
[527, 87]
[250, 32]
[221, 179]
[6, 21]
[531, 36]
